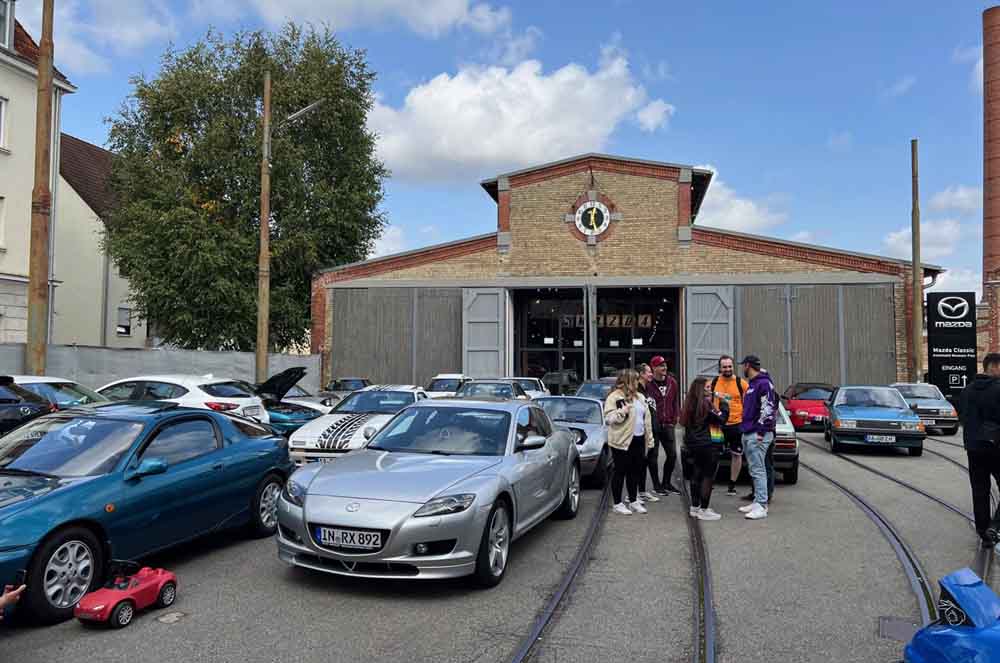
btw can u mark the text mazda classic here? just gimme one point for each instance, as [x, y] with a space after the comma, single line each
[440, 492]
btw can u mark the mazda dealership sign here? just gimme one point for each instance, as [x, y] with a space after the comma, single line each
[951, 340]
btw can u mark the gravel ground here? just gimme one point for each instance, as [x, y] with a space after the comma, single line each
[239, 603]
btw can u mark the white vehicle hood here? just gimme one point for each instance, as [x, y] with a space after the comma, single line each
[336, 432]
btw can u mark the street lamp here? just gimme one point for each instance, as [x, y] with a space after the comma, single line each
[264, 257]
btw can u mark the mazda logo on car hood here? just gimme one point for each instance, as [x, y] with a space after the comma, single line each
[353, 506]
[953, 308]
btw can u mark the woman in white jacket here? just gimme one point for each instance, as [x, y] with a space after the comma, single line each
[630, 435]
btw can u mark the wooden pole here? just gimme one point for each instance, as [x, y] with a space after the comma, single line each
[264, 258]
[41, 207]
[917, 368]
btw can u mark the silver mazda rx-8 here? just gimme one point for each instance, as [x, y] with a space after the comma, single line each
[441, 491]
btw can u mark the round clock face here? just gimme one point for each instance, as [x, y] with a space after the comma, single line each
[592, 218]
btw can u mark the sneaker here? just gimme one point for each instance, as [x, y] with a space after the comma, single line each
[746, 507]
[637, 507]
[622, 509]
[693, 511]
[670, 489]
[731, 492]
[757, 512]
[648, 497]
[661, 491]
[748, 497]
[708, 514]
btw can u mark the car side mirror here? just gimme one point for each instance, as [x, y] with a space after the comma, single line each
[369, 432]
[530, 442]
[148, 467]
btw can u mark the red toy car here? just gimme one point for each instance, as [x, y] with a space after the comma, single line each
[806, 404]
[128, 589]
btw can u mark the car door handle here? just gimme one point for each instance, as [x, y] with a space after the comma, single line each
[217, 466]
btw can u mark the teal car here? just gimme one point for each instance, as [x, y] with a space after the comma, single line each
[286, 416]
[873, 417]
[83, 486]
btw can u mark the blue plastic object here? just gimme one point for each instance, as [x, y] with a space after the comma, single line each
[968, 627]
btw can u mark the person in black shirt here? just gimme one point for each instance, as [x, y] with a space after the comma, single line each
[703, 442]
[980, 416]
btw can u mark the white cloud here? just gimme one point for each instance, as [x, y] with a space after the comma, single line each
[840, 141]
[431, 18]
[938, 239]
[960, 280]
[88, 34]
[722, 208]
[900, 87]
[965, 200]
[486, 120]
[974, 54]
[510, 49]
[392, 241]
[654, 115]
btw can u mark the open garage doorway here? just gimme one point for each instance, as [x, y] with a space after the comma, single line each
[634, 325]
[550, 337]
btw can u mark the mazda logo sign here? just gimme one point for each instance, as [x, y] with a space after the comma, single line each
[953, 308]
[353, 506]
[25, 411]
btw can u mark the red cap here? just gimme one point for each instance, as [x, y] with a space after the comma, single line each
[656, 361]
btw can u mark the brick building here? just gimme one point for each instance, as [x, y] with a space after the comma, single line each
[597, 263]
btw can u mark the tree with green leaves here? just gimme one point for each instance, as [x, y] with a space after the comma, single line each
[186, 181]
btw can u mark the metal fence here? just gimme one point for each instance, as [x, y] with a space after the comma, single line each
[94, 367]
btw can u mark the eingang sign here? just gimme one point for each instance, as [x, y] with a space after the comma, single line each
[951, 340]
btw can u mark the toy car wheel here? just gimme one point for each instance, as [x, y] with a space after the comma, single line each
[168, 594]
[122, 615]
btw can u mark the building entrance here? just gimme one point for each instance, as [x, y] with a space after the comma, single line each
[634, 325]
[550, 337]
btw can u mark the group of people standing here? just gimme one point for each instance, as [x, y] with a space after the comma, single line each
[724, 414]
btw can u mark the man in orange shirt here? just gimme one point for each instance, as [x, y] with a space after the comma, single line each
[730, 388]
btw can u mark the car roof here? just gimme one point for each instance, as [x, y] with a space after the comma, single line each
[39, 379]
[912, 384]
[500, 405]
[178, 378]
[813, 384]
[129, 410]
[392, 387]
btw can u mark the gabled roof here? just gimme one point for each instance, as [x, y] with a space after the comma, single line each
[87, 168]
[26, 50]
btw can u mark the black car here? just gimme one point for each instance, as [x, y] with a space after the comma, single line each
[18, 405]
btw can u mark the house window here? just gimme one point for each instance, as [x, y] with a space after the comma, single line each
[5, 11]
[124, 327]
[3, 120]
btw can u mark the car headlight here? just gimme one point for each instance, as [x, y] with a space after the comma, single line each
[440, 506]
[845, 423]
[948, 412]
[294, 492]
[912, 426]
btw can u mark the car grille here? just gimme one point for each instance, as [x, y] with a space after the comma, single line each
[878, 425]
[349, 551]
[361, 568]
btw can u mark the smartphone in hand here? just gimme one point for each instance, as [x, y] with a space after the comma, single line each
[621, 403]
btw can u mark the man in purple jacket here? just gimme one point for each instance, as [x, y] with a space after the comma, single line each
[664, 392]
[760, 408]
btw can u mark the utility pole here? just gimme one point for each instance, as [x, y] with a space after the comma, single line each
[918, 273]
[264, 258]
[41, 207]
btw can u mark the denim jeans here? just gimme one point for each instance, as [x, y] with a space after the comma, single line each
[755, 451]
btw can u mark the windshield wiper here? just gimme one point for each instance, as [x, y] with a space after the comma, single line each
[26, 473]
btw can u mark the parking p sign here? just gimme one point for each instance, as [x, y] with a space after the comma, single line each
[951, 341]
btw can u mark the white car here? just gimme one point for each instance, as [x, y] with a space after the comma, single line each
[351, 423]
[205, 392]
[532, 386]
[60, 392]
[445, 385]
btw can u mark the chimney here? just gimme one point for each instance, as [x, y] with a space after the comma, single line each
[991, 167]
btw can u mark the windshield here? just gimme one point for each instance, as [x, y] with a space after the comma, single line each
[920, 391]
[347, 385]
[493, 389]
[870, 397]
[377, 402]
[447, 384]
[446, 431]
[599, 390]
[65, 394]
[231, 389]
[529, 384]
[64, 447]
[811, 393]
[297, 392]
[572, 410]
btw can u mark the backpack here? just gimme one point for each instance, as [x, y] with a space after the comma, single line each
[739, 384]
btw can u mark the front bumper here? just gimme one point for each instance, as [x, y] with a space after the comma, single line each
[934, 421]
[302, 456]
[12, 561]
[397, 558]
[589, 464]
[810, 423]
[854, 436]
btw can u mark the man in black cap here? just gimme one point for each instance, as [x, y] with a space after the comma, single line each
[980, 408]
[760, 410]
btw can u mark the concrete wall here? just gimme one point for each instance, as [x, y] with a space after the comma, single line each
[95, 367]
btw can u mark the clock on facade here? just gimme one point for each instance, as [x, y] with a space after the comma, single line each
[592, 218]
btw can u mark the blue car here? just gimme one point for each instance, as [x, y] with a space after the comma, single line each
[930, 405]
[286, 416]
[873, 417]
[968, 625]
[84, 486]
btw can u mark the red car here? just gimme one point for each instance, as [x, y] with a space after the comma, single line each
[806, 404]
[131, 589]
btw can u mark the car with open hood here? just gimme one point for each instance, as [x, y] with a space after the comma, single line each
[287, 415]
[870, 416]
[439, 492]
[584, 418]
[930, 405]
[361, 413]
[83, 486]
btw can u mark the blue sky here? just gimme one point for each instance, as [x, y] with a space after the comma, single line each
[805, 111]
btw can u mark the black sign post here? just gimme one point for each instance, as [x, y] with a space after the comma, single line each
[951, 341]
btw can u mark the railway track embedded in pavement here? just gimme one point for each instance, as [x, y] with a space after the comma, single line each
[704, 629]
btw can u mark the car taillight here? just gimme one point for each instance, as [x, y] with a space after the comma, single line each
[221, 407]
[784, 443]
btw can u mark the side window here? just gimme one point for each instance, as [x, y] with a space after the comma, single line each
[158, 391]
[120, 392]
[523, 424]
[183, 441]
[249, 429]
[540, 423]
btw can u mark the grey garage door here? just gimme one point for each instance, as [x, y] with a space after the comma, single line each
[709, 314]
[438, 347]
[372, 334]
[484, 331]
[815, 334]
[764, 329]
[870, 341]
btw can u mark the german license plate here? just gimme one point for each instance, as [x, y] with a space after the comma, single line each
[251, 411]
[348, 538]
[817, 417]
[928, 422]
[881, 439]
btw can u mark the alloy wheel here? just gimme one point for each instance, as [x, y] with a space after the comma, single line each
[574, 488]
[499, 541]
[68, 574]
[269, 504]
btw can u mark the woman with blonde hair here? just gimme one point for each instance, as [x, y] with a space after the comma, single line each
[630, 434]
